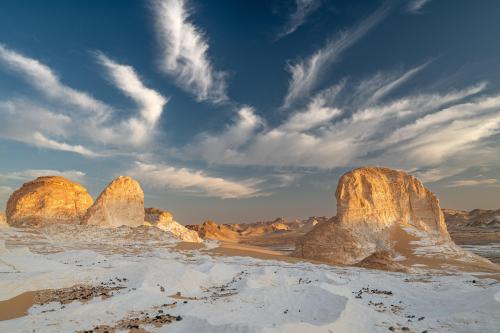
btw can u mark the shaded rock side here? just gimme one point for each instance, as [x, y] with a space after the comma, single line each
[164, 221]
[120, 204]
[47, 200]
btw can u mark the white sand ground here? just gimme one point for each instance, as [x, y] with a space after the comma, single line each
[233, 294]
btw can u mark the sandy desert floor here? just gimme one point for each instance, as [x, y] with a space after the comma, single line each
[84, 279]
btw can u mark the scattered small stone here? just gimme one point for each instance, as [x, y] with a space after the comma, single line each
[392, 329]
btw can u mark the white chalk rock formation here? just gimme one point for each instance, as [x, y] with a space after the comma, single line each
[120, 204]
[164, 221]
[379, 211]
[47, 200]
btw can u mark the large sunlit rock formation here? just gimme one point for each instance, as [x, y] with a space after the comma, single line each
[47, 200]
[120, 204]
[381, 214]
[165, 221]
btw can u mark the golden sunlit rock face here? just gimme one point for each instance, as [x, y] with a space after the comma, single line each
[47, 200]
[3, 220]
[121, 203]
[379, 197]
[373, 205]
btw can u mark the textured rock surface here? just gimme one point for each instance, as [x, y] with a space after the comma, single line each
[3, 221]
[164, 221]
[121, 203]
[47, 200]
[380, 197]
[374, 208]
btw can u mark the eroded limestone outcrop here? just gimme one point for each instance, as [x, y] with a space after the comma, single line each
[165, 221]
[380, 211]
[47, 200]
[120, 204]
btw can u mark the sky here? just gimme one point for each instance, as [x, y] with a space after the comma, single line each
[239, 111]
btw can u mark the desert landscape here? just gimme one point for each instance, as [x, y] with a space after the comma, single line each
[264, 166]
[70, 263]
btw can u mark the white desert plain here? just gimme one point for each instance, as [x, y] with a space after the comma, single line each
[385, 263]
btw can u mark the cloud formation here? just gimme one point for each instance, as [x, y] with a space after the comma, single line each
[193, 181]
[303, 8]
[51, 124]
[42, 78]
[415, 6]
[150, 102]
[185, 52]
[30, 174]
[306, 74]
[472, 182]
[359, 123]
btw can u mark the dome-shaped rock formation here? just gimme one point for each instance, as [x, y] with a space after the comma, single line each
[47, 200]
[381, 211]
[165, 221]
[121, 203]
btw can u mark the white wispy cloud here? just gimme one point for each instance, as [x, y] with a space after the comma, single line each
[415, 6]
[30, 174]
[194, 181]
[228, 143]
[150, 102]
[303, 8]
[307, 73]
[51, 124]
[472, 182]
[47, 82]
[432, 134]
[185, 51]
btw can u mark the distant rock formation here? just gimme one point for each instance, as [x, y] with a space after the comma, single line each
[3, 221]
[47, 200]
[210, 230]
[478, 229]
[164, 221]
[380, 211]
[120, 204]
[478, 218]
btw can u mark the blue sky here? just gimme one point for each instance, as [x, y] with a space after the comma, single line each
[240, 111]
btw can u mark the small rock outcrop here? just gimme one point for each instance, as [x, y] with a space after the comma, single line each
[379, 211]
[165, 221]
[47, 200]
[120, 204]
[211, 230]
